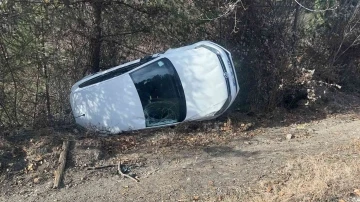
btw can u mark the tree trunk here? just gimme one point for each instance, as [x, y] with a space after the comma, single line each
[95, 41]
[295, 36]
[45, 67]
[36, 101]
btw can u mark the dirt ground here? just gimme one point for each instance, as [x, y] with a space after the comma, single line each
[301, 155]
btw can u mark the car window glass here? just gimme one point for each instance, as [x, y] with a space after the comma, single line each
[161, 94]
[116, 72]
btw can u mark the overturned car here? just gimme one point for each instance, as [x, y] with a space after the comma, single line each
[195, 82]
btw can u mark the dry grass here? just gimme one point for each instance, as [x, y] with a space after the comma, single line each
[321, 177]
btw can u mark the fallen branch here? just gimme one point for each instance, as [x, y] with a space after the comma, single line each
[62, 160]
[125, 175]
[100, 167]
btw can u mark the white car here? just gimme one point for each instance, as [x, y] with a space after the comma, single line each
[195, 82]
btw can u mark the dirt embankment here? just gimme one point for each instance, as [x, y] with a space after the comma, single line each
[280, 157]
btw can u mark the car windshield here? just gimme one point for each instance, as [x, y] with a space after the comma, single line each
[161, 93]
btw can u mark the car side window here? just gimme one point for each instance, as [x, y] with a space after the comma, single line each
[161, 93]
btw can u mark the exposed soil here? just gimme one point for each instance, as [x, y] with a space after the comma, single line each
[302, 155]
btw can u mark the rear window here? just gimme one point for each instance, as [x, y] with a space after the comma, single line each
[161, 93]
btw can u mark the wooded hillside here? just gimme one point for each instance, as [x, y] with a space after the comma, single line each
[284, 50]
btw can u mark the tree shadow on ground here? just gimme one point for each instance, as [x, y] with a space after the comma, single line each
[337, 104]
[225, 151]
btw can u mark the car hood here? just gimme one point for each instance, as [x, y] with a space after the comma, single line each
[113, 106]
[203, 80]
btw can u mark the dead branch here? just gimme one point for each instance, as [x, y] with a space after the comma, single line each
[125, 175]
[312, 10]
[100, 167]
[60, 171]
[230, 8]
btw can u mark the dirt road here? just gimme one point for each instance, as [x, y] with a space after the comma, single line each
[316, 160]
